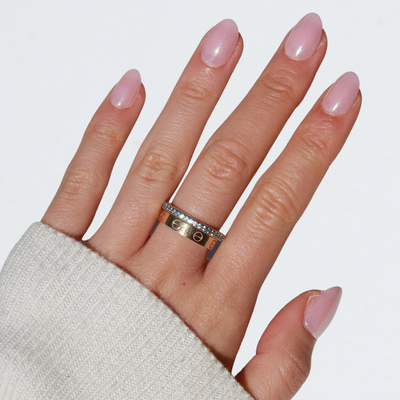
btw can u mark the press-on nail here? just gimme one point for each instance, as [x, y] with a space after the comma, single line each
[305, 37]
[342, 94]
[321, 310]
[220, 44]
[126, 90]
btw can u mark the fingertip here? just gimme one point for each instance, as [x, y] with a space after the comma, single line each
[321, 309]
[220, 44]
[304, 38]
[342, 94]
[127, 89]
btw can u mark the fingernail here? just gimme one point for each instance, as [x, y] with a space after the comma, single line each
[342, 94]
[220, 44]
[305, 37]
[126, 90]
[321, 311]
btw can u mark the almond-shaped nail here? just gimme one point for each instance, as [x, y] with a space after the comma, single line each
[342, 94]
[320, 312]
[305, 37]
[220, 44]
[126, 90]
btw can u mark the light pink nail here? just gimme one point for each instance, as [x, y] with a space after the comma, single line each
[126, 90]
[220, 44]
[342, 94]
[305, 37]
[321, 311]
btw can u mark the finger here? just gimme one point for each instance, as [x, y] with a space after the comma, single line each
[236, 150]
[165, 154]
[283, 358]
[76, 201]
[277, 201]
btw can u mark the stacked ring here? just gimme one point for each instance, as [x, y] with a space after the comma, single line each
[189, 227]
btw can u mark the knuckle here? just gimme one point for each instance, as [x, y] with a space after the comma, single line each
[160, 165]
[314, 145]
[194, 90]
[105, 133]
[295, 368]
[280, 86]
[275, 206]
[225, 161]
[81, 180]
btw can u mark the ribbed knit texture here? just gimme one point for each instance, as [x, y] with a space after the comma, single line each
[75, 326]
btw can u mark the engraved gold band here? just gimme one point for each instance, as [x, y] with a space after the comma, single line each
[187, 226]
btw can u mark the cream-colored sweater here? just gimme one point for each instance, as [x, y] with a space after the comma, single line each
[75, 326]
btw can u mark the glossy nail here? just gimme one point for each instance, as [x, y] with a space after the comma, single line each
[220, 44]
[126, 90]
[305, 37]
[320, 312]
[342, 94]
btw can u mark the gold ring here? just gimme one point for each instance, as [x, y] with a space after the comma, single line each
[189, 227]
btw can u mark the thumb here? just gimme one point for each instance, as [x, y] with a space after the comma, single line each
[283, 357]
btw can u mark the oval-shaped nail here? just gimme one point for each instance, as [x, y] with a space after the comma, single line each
[220, 44]
[126, 90]
[342, 94]
[320, 312]
[305, 37]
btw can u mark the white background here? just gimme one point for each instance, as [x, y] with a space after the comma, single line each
[60, 58]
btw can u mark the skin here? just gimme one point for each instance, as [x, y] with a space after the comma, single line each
[215, 298]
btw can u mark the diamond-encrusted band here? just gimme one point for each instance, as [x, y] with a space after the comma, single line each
[191, 221]
[189, 227]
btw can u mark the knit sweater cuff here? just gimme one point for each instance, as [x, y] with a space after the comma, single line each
[75, 326]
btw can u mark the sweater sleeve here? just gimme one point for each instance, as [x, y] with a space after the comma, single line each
[75, 326]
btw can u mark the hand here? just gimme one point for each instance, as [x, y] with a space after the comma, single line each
[216, 298]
